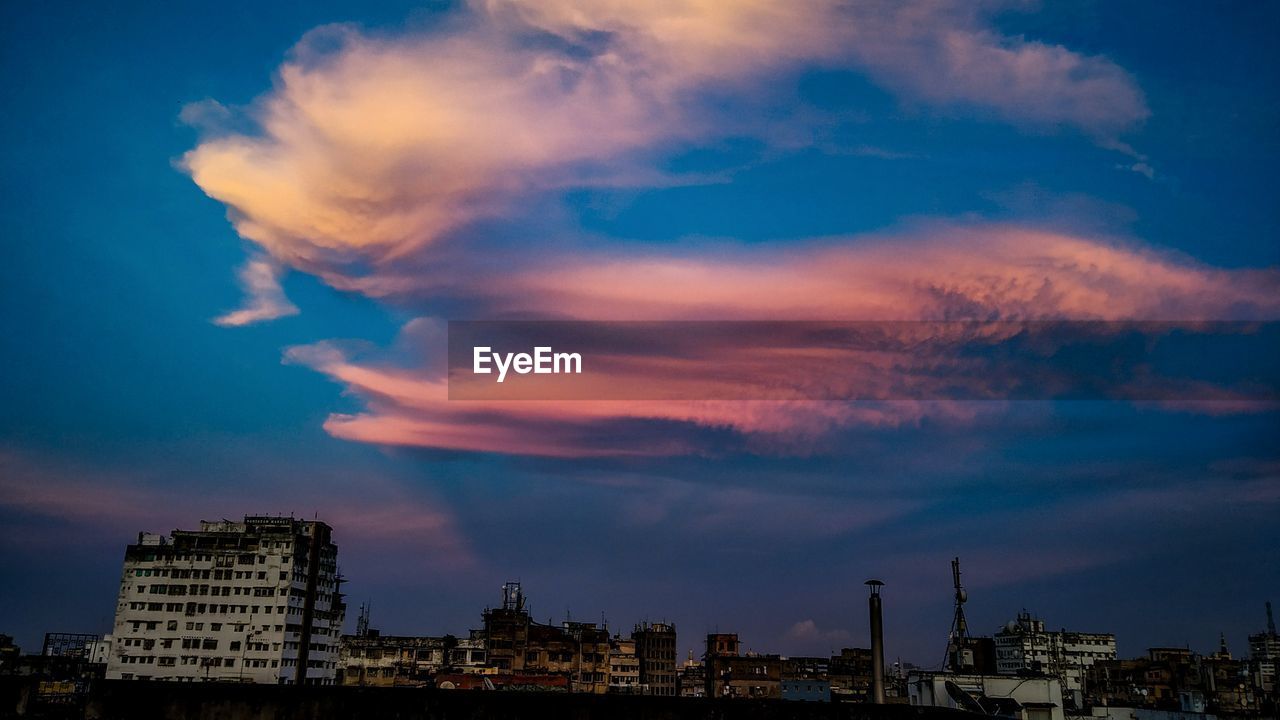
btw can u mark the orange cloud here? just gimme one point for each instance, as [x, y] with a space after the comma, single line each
[373, 148]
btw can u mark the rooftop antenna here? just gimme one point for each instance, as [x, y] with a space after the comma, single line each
[512, 596]
[1271, 621]
[959, 654]
[362, 621]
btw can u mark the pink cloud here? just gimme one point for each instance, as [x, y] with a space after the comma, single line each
[941, 272]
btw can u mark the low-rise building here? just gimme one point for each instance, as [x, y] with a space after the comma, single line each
[806, 689]
[1024, 698]
[376, 660]
[729, 674]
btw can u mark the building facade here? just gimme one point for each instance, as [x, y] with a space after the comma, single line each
[1024, 645]
[517, 645]
[624, 666]
[731, 675]
[256, 600]
[656, 651]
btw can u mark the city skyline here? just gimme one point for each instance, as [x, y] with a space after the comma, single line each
[364, 622]
[232, 238]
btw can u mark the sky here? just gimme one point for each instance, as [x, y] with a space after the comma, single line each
[231, 237]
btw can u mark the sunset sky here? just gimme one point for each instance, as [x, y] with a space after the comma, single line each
[232, 234]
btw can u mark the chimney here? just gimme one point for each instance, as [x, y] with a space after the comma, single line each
[877, 643]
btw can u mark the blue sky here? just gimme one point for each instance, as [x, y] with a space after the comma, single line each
[128, 408]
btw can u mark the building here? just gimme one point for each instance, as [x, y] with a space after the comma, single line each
[1024, 698]
[656, 651]
[1177, 680]
[256, 600]
[806, 689]
[850, 674]
[376, 660]
[624, 666]
[1025, 646]
[729, 674]
[517, 645]
[1264, 654]
[98, 651]
[691, 679]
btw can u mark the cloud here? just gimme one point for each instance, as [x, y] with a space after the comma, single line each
[938, 271]
[375, 155]
[373, 150]
[264, 298]
[808, 637]
[1141, 168]
[984, 273]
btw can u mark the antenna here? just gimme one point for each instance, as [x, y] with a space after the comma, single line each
[362, 621]
[512, 596]
[959, 654]
[1271, 621]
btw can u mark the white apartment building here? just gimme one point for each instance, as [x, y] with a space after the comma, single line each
[248, 601]
[1024, 644]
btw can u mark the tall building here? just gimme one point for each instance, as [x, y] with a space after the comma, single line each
[250, 601]
[1025, 645]
[656, 651]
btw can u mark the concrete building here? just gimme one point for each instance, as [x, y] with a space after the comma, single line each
[377, 660]
[99, 651]
[729, 674]
[624, 666]
[850, 674]
[1025, 698]
[1024, 645]
[517, 645]
[256, 600]
[656, 651]
[691, 679]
